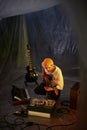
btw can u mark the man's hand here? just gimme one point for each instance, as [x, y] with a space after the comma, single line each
[48, 88]
[51, 89]
[56, 90]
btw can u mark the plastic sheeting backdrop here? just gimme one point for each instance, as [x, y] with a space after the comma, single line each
[49, 35]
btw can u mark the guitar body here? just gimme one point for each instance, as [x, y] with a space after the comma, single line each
[31, 75]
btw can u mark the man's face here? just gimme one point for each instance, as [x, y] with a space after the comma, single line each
[49, 68]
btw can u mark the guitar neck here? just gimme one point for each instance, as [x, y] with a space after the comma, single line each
[29, 58]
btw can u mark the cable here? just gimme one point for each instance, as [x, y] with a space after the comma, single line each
[32, 124]
[21, 113]
[60, 112]
[10, 122]
[27, 125]
[65, 103]
[50, 127]
[15, 120]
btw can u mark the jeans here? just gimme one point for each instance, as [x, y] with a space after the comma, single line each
[50, 94]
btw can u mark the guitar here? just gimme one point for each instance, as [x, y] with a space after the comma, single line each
[31, 75]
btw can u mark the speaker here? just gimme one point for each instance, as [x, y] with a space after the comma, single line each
[75, 96]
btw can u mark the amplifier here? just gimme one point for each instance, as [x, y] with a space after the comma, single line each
[75, 96]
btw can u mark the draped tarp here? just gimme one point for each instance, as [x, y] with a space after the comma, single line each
[78, 16]
[12, 8]
[49, 34]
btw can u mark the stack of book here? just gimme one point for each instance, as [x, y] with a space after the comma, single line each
[41, 107]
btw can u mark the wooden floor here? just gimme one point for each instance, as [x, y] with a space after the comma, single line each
[64, 118]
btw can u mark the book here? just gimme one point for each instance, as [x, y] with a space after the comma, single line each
[41, 108]
[19, 95]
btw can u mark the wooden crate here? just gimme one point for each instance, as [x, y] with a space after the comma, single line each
[75, 95]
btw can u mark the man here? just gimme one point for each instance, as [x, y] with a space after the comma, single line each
[53, 81]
